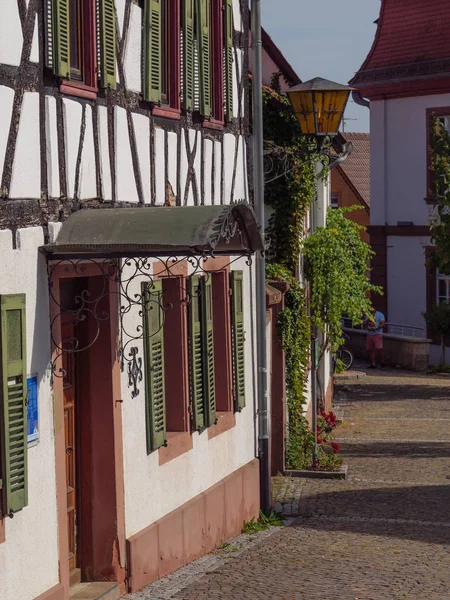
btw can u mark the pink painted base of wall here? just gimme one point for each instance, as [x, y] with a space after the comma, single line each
[54, 593]
[329, 395]
[195, 528]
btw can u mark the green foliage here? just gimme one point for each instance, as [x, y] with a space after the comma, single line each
[336, 265]
[290, 195]
[440, 217]
[438, 321]
[295, 332]
[263, 522]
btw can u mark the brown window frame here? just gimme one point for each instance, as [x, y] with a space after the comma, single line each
[87, 85]
[171, 100]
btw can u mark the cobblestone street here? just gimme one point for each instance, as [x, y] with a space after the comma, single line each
[383, 534]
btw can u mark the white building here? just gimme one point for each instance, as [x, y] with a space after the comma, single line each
[116, 185]
[406, 77]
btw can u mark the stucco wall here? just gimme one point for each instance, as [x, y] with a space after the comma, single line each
[399, 158]
[406, 280]
[29, 556]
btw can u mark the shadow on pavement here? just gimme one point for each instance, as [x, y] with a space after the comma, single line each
[423, 511]
[412, 450]
[374, 391]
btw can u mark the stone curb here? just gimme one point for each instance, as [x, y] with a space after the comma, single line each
[349, 375]
[340, 474]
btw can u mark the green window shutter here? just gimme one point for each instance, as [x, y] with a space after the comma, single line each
[188, 54]
[61, 38]
[228, 36]
[154, 366]
[237, 323]
[152, 50]
[208, 350]
[13, 416]
[108, 43]
[203, 22]
[195, 354]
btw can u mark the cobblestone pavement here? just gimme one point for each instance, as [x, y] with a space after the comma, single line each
[383, 534]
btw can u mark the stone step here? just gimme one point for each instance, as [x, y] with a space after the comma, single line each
[95, 590]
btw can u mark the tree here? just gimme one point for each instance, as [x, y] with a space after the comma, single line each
[438, 321]
[336, 265]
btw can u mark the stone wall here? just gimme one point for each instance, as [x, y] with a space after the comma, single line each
[399, 351]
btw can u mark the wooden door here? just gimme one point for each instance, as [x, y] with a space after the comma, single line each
[67, 331]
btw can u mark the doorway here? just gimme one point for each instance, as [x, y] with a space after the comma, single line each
[89, 387]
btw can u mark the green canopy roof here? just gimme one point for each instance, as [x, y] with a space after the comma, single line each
[147, 231]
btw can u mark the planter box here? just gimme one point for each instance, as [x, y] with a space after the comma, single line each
[339, 474]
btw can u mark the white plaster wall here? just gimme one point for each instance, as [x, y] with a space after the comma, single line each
[133, 50]
[142, 132]
[26, 172]
[29, 556]
[51, 133]
[11, 38]
[104, 153]
[88, 183]
[152, 491]
[406, 280]
[399, 159]
[160, 167]
[125, 181]
[72, 126]
[6, 101]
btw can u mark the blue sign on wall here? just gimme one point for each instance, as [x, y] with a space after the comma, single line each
[33, 410]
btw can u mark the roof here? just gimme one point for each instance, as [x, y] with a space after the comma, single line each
[356, 168]
[412, 39]
[158, 231]
[278, 58]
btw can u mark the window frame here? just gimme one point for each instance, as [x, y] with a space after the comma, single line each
[439, 278]
[439, 111]
[337, 195]
[170, 106]
[87, 87]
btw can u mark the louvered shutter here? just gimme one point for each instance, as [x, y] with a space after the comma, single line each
[188, 54]
[61, 38]
[154, 364]
[237, 323]
[152, 50]
[108, 44]
[203, 24]
[228, 36]
[13, 401]
[196, 354]
[208, 350]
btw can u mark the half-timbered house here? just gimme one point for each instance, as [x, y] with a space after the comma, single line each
[127, 421]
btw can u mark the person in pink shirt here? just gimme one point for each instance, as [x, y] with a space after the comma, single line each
[375, 337]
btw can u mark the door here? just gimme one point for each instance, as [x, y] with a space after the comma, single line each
[69, 391]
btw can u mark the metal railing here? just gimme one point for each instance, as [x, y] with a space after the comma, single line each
[393, 328]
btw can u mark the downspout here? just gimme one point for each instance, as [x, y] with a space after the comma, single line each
[258, 175]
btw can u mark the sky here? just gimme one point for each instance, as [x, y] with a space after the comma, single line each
[325, 38]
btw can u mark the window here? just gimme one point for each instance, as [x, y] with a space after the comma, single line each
[335, 197]
[201, 352]
[165, 350]
[13, 412]
[80, 50]
[238, 337]
[188, 55]
[443, 288]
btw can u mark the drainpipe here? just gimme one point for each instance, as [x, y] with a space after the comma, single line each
[258, 174]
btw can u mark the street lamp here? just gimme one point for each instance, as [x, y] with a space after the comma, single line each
[319, 105]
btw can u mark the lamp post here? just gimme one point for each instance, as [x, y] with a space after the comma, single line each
[319, 105]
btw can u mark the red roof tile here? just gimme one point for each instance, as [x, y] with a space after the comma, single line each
[357, 166]
[410, 32]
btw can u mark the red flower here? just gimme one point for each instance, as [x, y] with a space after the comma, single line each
[335, 447]
[319, 441]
